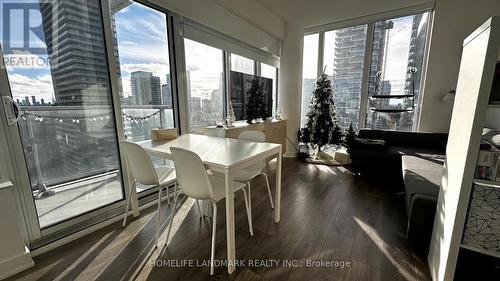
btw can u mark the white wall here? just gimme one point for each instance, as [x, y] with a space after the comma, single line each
[258, 15]
[454, 20]
[211, 14]
[290, 81]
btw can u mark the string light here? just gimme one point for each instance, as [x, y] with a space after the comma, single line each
[92, 118]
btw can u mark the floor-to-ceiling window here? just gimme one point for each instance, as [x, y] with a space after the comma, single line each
[309, 72]
[396, 70]
[143, 65]
[59, 77]
[376, 70]
[205, 84]
[144, 69]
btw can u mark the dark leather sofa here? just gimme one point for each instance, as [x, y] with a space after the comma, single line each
[412, 158]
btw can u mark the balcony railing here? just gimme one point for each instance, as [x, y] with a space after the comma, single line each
[64, 144]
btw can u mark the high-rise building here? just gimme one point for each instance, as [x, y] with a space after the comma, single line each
[145, 88]
[167, 95]
[157, 97]
[166, 92]
[75, 43]
[74, 37]
[415, 68]
[350, 45]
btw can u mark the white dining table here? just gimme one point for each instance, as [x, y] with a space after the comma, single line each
[224, 155]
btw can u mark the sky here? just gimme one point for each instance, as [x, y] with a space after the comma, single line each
[142, 45]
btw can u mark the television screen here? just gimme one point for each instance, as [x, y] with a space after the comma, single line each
[495, 88]
[240, 84]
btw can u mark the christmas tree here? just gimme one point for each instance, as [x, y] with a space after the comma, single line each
[256, 107]
[322, 123]
[350, 138]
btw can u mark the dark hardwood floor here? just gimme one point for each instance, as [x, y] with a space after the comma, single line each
[355, 224]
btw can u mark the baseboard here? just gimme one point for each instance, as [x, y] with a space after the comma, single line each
[16, 264]
[290, 155]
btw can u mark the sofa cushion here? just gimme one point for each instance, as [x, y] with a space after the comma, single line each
[369, 144]
[421, 176]
[435, 141]
[429, 154]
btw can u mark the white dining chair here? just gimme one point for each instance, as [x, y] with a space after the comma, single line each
[142, 170]
[195, 182]
[255, 170]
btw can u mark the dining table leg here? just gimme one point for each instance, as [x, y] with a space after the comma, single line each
[231, 248]
[277, 204]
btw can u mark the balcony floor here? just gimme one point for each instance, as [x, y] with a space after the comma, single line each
[76, 198]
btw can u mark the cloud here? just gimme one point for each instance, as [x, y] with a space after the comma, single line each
[144, 53]
[157, 69]
[129, 43]
[39, 86]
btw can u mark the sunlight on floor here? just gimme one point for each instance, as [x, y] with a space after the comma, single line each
[180, 216]
[383, 247]
[326, 169]
[80, 260]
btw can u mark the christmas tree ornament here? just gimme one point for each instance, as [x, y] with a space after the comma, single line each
[321, 123]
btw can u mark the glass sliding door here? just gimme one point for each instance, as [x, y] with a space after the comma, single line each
[143, 64]
[58, 75]
[205, 84]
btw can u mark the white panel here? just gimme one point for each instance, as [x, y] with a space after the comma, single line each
[14, 255]
[4, 156]
[473, 88]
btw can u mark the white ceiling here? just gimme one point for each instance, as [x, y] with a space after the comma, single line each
[271, 15]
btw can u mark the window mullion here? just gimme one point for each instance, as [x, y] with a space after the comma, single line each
[227, 70]
[321, 52]
[171, 23]
[366, 75]
[181, 80]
